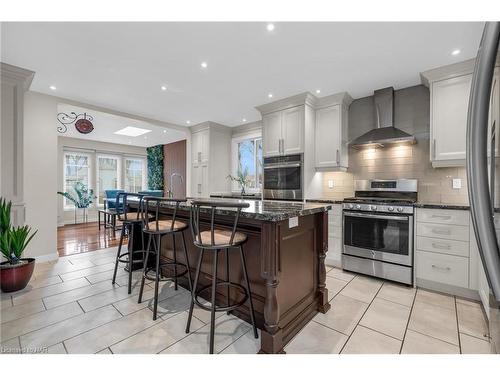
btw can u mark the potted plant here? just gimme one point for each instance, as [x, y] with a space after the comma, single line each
[82, 199]
[15, 272]
[242, 179]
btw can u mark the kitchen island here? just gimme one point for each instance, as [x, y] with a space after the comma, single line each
[285, 252]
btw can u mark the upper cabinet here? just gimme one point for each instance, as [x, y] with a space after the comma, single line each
[200, 146]
[283, 132]
[331, 150]
[449, 101]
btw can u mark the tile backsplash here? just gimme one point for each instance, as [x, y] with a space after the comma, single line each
[411, 114]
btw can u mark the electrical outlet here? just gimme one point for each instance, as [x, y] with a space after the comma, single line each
[456, 183]
[330, 184]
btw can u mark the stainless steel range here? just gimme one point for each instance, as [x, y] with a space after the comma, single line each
[378, 229]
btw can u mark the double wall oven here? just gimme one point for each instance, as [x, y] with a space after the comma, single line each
[283, 177]
[378, 229]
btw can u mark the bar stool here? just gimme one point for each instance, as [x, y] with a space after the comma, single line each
[128, 221]
[158, 228]
[216, 240]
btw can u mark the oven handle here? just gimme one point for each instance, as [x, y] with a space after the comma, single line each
[274, 166]
[388, 217]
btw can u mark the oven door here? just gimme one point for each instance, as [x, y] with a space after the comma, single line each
[283, 181]
[383, 237]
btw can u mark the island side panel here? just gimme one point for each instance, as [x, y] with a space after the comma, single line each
[295, 285]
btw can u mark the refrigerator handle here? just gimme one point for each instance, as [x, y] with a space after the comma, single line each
[477, 157]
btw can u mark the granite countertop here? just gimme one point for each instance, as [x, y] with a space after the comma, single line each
[325, 200]
[443, 206]
[229, 194]
[260, 210]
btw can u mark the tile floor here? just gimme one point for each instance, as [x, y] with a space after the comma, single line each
[70, 306]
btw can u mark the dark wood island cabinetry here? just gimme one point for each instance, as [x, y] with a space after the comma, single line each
[285, 252]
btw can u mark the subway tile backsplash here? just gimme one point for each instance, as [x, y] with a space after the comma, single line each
[411, 113]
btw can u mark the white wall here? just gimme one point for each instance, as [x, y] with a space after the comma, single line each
[40, 173]
[67, 217]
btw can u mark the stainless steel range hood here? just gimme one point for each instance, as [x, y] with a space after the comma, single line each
[385, 133]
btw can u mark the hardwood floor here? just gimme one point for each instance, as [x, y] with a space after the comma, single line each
[81, 238]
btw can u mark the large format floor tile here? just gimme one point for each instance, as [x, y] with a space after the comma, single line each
[387, 317]
[418, 343]
[398, 293]
[340, 274]
[69, 328]
[471, 320]
[366, 341]
[110, 333]
[363, 289]
[20, 311]
[473, 345]
[434, 298]
[316, 339]
[158, 337]
[227, 330]
[86, 272]
[109, 296]
[246, 344]
[41, 282]
[334, 286]
[39, 320]
[344, 314]
[76, 294]
[435, 321]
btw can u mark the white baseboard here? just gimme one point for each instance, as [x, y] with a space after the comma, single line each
[47, 257]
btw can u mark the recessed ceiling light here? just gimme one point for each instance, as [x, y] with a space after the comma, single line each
[132, 131]
[188, 122]
[269, 95]
[244, 120]
[204, 64]
[52, 87]
[164, 131]
[129, 142]
[270, 27]
[455, 52]
[164, 88]
[318, 91]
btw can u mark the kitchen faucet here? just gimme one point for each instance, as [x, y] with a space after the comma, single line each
[170, 193]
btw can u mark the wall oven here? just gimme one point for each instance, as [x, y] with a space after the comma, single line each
[283, 177]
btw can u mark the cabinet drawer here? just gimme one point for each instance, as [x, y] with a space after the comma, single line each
[439, 245]
[446, 269]
[456, 217]
[447, 232]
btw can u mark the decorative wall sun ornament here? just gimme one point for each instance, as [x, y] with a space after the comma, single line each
[82, 121]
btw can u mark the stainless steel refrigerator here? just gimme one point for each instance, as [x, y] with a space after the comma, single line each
[483, 173]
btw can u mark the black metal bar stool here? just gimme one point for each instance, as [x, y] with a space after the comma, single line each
[216, 240]
[128, 220]
[157, 228]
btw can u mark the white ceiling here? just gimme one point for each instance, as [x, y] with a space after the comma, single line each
[123, 65]
[106, 124]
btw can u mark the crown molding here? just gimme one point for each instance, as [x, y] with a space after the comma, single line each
[15, 75]
[305, 98]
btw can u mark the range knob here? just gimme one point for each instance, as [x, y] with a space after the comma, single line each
[358, 207]
[373, 208]
[390, 208]
[400, 209]
[350, 206]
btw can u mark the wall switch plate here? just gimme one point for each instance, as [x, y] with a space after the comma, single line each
[293, 222]
[330, 184]
[457, 183]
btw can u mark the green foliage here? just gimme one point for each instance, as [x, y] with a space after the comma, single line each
[13, 240]
[83, 196]
[241, 178]
[155, 167]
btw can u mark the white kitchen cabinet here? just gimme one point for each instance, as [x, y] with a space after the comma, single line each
[271, 134]
[334, 254]
[292, 128]
[331, 138]
[210, 161]
[283, 132]
[449, 101]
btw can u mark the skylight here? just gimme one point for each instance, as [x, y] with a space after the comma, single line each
[132, 131]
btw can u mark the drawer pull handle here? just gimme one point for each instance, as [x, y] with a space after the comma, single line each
[441, 268]
[441, 231]
[444, 217]
[441, 246]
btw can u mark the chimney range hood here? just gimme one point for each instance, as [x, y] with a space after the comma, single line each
[385, 133]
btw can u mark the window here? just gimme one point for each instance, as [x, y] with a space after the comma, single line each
[134, 175]
[107, 175]
[76, 169]
[248, 161]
